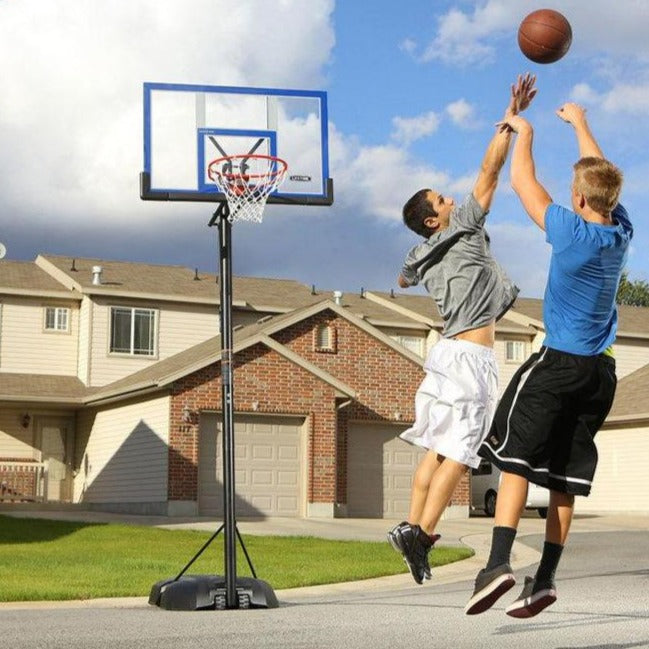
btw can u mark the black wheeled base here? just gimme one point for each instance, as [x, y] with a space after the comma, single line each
[208, 592]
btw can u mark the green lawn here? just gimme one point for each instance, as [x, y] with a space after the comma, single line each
[55, 560]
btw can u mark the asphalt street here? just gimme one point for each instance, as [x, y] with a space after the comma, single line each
[603, 587]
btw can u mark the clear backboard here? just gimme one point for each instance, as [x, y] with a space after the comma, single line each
[188, 126]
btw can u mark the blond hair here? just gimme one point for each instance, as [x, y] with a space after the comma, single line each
[600, 182]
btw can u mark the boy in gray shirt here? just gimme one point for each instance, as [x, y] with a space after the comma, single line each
[456, 400]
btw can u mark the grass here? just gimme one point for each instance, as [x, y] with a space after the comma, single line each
[57, 560]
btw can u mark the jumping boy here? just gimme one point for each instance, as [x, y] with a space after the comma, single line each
[456, 400]
[546, 422]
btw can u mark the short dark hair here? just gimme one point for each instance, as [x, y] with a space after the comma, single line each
[417, 210]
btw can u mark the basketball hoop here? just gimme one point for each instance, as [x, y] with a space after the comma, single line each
[247, 180]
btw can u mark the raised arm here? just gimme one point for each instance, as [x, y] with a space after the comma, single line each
[522, 94]
[532, 194]
[576, 115]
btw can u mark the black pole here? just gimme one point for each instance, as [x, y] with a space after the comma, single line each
[227, 398]
[196, 592]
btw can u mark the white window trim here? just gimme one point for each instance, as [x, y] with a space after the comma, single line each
[519, 357]
[58, 311]
[132, 309]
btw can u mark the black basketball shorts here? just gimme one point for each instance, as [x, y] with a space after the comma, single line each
[546, 421]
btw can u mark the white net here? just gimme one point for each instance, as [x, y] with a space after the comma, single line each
[247, 181]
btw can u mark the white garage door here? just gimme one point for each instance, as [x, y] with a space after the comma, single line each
[621, 479]
[268, 461]
[380, 467]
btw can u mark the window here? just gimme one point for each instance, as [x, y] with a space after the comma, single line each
[514, 351]
[132, 331]
[414, 344]
[57, 318]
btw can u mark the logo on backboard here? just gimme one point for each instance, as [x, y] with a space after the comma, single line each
[300, 179]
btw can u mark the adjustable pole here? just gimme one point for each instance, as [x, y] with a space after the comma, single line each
[227, 398]
[200, 592]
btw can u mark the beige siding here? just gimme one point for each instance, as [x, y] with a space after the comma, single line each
[179, 327]
[620, 483]
[15, 441]
[630, 355]
[121, 453]
[83, 364]
[25, 345]
[507, 369]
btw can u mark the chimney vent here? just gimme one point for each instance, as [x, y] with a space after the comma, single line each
[96, 275]
[338, 297]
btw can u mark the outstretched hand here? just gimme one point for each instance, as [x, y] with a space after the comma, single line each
[523, 91]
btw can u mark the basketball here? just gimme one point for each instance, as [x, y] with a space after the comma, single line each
[544, 36]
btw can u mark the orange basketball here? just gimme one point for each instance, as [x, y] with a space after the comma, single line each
[544, 36]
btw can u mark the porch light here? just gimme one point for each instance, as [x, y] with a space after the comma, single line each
[188, 416]
[25, 418]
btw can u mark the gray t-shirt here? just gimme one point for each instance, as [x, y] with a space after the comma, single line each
[459, 272]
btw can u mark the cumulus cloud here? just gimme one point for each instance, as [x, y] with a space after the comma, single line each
[470, 37]
[462, 114]
[408, 129]
[71, 106]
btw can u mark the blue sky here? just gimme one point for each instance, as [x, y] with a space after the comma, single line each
[414, 91]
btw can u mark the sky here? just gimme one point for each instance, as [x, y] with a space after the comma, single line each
[413, 96]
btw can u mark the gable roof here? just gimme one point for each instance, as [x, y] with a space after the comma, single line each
[167, 371]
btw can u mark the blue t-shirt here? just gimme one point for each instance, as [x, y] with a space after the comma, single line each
[579, 308]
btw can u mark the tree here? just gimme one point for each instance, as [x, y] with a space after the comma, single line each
[632, 293]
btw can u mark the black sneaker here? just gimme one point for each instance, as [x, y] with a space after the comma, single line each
[490, 585]
[392, 535]
[414, 545]
[533, 599]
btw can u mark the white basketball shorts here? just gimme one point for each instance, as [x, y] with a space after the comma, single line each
[456, 401]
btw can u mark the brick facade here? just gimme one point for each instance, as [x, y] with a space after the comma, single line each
[265, 382]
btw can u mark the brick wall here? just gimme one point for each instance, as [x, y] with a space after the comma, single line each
[384, 380]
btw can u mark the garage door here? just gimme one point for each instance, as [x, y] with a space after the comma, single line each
[380, 467]
[621, 479]
[268, 461]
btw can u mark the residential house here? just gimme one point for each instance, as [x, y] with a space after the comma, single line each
[110, 391]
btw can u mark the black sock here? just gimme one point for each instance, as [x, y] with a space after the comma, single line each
[501, 546]
[549, 562]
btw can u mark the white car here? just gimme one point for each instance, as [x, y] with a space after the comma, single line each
[485, 481]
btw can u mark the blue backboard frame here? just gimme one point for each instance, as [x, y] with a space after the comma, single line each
[202, 192]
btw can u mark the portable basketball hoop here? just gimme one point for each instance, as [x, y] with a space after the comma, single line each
[273, 122]
[247, 180]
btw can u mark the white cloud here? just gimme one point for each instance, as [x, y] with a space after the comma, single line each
[376, 181]
[408, 45]
[621, 98]
[72, 72]
[471, 37]
[462, 114]
[409, 129]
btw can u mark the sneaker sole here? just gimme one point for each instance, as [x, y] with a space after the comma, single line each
[489, 595]
[531, 606]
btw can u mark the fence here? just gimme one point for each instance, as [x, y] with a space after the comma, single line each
[22, 481]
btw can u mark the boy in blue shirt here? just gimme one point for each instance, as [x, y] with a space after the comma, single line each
[546, 422]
